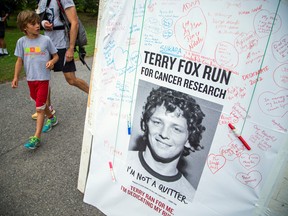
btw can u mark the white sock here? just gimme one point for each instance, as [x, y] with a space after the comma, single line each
[1, 51]
[5, 51]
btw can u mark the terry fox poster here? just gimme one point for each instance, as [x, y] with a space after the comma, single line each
[172, 81]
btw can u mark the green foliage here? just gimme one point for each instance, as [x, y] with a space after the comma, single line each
[13, 34]
[90, 6]
[82, 5]
[15, 5]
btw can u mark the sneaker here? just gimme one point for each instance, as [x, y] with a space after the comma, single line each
[34, 116]
[49, 124]
[53, 111]
[32, 143]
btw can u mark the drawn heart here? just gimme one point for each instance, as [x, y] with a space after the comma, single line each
[226, 55]
[167, 23]
[251, 179]
[120, 57]
[215, 162]
[167, 33]
[191, 30]
[280, 49]
[280, 75]
[274, 104]
[263, 22]
[249, 161]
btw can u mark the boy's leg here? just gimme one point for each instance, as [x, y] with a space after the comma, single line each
[48, 112]
[40, 121]
[38, 92]
[51, 121]
[48, 103]
[41, 96]
[34, 141]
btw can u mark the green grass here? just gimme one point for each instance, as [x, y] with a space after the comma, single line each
[12, 34]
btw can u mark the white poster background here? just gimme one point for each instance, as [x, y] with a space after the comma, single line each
[230, 36]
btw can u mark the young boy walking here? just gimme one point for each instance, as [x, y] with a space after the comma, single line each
[34, 51]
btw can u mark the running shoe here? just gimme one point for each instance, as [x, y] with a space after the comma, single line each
[49, 124]
[32, 143]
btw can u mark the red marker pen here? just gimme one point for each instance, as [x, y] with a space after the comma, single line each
[111, 171]
[239, 136]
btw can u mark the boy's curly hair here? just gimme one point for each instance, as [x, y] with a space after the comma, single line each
[171, 100]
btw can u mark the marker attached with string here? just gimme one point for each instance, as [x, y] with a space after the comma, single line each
[111, 171]
[129, 125]
[239, 136]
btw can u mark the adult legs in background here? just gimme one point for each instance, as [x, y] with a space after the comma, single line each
[74, 81]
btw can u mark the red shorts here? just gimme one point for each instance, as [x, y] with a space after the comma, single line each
[39, 92]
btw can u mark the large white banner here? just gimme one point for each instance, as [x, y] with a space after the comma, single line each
[169, 78]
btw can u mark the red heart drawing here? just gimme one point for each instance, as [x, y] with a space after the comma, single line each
[280, 74]
[226, 55]
[191, 30]
[215, 162]
[249, 161]
[251, 179]
[280, 49]
[274, 104]
[263, 23]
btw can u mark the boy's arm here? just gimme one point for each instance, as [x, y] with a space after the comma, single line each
[50, 64]
[17, 71]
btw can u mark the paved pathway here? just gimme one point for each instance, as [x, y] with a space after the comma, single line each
[43, 181]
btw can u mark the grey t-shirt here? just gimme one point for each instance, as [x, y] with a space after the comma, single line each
[58, 37]
[35, 54]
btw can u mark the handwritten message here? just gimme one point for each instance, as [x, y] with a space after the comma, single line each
[191, 30]
[280, 49]
[251, 179]
[262, 138]
[215, 162]
[249, 161]
[281, 76]
[274, 104]
[263, 23]
[226, 55]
